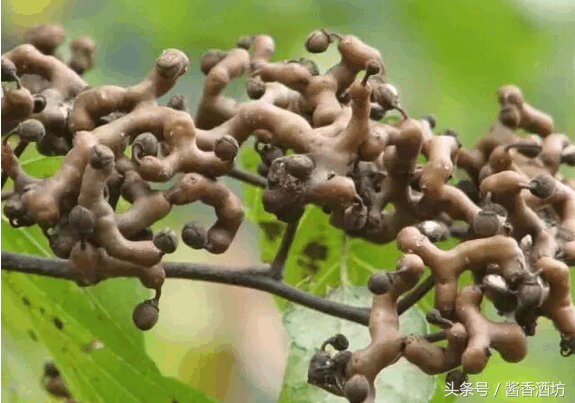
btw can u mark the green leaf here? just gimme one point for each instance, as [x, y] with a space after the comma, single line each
[23, 357]
[87, 331]
[307, 330]
[440, 393]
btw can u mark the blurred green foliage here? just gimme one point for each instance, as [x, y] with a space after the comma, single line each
[445, 57]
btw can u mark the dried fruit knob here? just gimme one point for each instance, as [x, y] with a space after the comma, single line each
[101, 157]
[380, 283]
[542, 186]
[209, 59]
[339, 342]
[178, 102]
[486, 223]
[372, 67]
[31, 130]
[166, 241]
[531, 294]
[255, 87]
[317, 42]
[455, 380]
[144, 144]
[82, 220]
[145, 314]
[567, 345]
[194, 235]
[245, 42]
[172, 63]
[298, 165]
[9, 70]
[226, 148]
[357, 389]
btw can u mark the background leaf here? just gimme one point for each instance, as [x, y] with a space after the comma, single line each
[88, 331]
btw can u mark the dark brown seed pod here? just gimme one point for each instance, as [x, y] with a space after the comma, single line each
[510, 116]
[172, 63]
[146, 314]
[383, 94]
[153, 277]
[372, 67]
[317, 42]
[380, 283]
[144, 144]
[17, 215]
[195, 235]
[567, 345]
[31, 130]
[455, 380]
[542, 186]
[316, 372]
[166, 241]
[9, 71]
[356, 389]
[298, 165]
[50, 145]
[486, 223]
[226, 148]
[339, 342]
[245, 42]
[209, 59]
[82, 220]
[531, 294]
[178, 102]
[255, 87]
[101, 156]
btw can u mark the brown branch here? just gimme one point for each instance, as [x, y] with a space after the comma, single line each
[256, 277]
